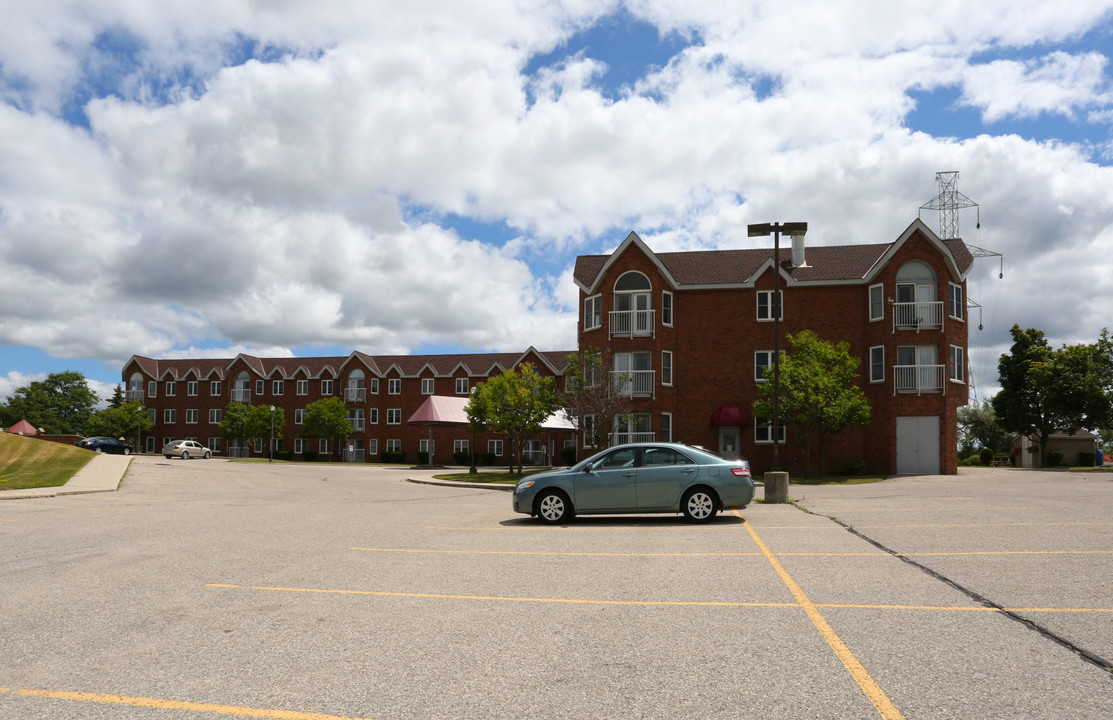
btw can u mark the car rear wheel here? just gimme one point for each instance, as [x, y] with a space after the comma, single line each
[168, 457]
[553, 507]
[185, 455]
[699, 505]
[100, 451]
[127, 451]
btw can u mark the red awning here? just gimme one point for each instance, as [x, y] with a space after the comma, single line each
[729, 414]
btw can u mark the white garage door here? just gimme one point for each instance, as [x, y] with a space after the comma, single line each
[918, 445]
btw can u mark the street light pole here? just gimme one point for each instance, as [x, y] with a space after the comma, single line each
[138, 427]
[763, 230]
[272, 435]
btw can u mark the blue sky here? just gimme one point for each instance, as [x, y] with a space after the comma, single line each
[420, 178]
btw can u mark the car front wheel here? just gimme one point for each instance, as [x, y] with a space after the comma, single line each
[554, 508]
[127, 451]
[100, 451]
[699, 505]
[208, 455]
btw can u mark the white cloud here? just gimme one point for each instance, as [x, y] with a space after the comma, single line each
[1059, 84]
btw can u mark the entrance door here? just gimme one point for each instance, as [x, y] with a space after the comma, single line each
[918, 445]
[728, 443]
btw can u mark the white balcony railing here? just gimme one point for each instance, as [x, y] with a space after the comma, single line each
[620, 438]
[917, 316]
[358, 424]
[634, 383]
[354, 394]
[239, 395]
[919, 379]
[353, 456]
[632, 323]
[135, 396]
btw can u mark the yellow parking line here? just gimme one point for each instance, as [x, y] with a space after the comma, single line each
[163, 704]
[1012, 524]
[869, 686]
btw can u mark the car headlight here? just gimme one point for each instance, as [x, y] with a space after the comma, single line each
[523, 484]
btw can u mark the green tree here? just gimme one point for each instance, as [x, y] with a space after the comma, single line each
[248, 423]
[117, 397]
[592, 398]
[818, 396]
[61, 404]
[327, 418]
[1044, 391]
[514, 404]
[978, 428]
[124, 421]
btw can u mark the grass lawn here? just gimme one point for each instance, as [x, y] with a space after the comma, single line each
[29, 463]
[490, 476]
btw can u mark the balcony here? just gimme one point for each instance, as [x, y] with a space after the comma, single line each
[620, 438]
[358, 424]
[241, 395]
[632, 323]
[352, 456]
[917, 316]
[919, 379]
[355, 394]
[634, 383]
[135, 396]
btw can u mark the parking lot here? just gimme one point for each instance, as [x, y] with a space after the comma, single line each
[210, 589]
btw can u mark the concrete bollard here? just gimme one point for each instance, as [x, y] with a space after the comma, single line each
[776, 487]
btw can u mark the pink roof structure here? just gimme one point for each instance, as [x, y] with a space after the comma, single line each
[23, 428]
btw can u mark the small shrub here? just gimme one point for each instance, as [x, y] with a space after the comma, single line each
[309, 455]
[283, 455]
[462, 458]
[487, 458]
[568, 455]
[972, 461]
[1054, 458]
[850, 466]
[1086, 458]
[987, 456]
[392, 457]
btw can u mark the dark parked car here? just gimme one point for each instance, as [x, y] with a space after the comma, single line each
[639, 478]
[104, 445]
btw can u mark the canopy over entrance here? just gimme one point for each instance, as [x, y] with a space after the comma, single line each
[729, 414]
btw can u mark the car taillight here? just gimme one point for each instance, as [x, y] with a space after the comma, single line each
[741, 471]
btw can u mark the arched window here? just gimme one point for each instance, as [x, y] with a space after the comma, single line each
[917, 304]
[633, 313]
[357, 387]
[241, 388]
[135, 387]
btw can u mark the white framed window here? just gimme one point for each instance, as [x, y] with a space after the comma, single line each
[394, 386]
[299, 446]
[426, 445]
[169, 416]
[302, 387]
[394, 416]
[462, 386]
[666, 367]
[171, 388]
[324, 447]
[427, 385]
[877, 364]
[954, 301]
[374, 386]
[877, 302]
[357, 419]
[666, 308]
[495, 447]
[762, 434]
[152, 415]
[215, 388]
[299, 416]
[394, 445]
[666, 428]
[373, 446]
[152, 389]
[215, 416]
[192, 416]
[167, 440]
[763, 363]
[459, 446]
[191, 388]
[373, 416]
[257, 447]
[767, 305]
[214, 444]
[326, 387]
[958, 364]
[593, 312]
[278, 387]
[259, 386]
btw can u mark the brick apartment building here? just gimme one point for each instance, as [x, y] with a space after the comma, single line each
[186, 398]
[691, 331]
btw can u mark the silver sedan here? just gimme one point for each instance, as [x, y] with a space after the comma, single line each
[185, 449]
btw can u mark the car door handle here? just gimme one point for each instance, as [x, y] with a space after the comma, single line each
[629, 474]
[688, 472]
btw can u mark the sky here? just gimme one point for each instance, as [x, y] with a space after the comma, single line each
[205, 178]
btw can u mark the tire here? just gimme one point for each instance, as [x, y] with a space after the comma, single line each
[208, 455]
[100, 451]
[185, 455]
[168, 457]
[127, 451]
[699, 505]
[553, 507]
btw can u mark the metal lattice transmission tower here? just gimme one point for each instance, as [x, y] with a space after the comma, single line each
[948, 202]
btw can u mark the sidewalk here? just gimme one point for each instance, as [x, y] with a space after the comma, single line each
[102, 474]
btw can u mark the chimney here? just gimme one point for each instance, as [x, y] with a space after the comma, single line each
[798, 251]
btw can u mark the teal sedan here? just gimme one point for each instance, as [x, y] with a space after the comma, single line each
[638, 478]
